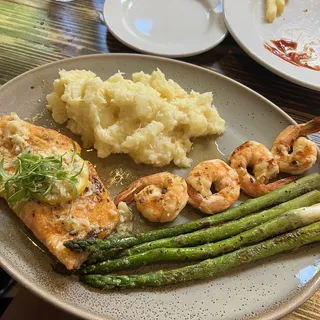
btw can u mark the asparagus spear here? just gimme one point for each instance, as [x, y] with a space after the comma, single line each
[211, 267]
[283, 194]
[285, 222]
[212, 234]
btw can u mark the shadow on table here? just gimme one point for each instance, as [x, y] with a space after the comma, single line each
[27, 306]
[5, 284]
[211, 56]
[115, 46]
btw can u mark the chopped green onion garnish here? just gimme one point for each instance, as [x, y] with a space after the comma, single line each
[35, 176]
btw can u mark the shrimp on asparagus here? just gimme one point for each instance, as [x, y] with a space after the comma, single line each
[256, 156]
[159, 197]
[293, 152]
[225, 181]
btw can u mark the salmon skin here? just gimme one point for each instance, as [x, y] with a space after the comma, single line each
[93, 211]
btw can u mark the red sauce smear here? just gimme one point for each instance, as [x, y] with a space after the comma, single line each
[287, 50]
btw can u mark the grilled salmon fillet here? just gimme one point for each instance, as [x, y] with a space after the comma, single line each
[93, 210]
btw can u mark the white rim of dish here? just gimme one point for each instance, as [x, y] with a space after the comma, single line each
[263, 62]
[279, 311]
[150, 52]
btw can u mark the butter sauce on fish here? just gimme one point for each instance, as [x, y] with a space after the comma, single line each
[65, 203]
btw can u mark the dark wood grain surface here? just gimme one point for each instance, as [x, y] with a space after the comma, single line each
[36, 32]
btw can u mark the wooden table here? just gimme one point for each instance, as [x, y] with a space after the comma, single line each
[36, 32]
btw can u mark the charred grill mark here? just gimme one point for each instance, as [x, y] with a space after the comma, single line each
[205, 224]
[239, 149]
[98, 185]
[93, 233]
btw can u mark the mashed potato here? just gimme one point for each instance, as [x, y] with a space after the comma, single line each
[149, 117]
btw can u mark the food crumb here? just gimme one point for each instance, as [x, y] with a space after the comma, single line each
[305, 10]
[37, 117]
[125, 225]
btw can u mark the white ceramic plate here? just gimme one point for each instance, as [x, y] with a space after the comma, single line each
[299, 22]
[267, 290]
[172, 28]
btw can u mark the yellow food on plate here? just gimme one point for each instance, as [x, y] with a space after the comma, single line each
[274, 8]
[150, 118]
[56, 193]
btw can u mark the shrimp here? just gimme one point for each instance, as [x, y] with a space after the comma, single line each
[255, 155]
[226, 183]
[159, 197]
[293, 152]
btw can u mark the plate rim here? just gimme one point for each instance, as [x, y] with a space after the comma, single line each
[263, 62]
[275, 313]
[151, 52]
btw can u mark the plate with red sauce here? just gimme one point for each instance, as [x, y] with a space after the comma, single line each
[289, 47]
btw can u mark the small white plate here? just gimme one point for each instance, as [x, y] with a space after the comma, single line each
[172, 28]
[299, 22]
